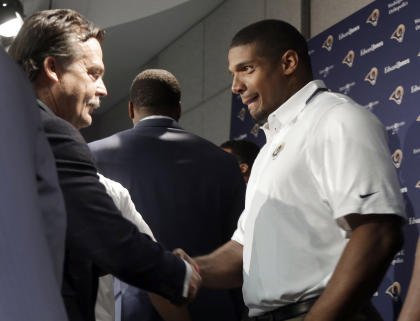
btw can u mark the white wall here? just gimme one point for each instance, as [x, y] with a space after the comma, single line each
[199, 60]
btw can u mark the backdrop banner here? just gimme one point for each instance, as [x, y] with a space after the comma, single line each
[373, 56]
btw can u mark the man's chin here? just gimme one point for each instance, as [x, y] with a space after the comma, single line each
[259, 118]
[85, 122]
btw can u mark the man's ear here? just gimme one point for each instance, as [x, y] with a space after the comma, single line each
[131, 110]
[51, 68]
[289, 62]
[178, 112]
[244, 168]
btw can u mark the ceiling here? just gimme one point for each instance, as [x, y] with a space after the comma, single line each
[136, 30]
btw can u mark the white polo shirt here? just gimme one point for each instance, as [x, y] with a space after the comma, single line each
[325, 157]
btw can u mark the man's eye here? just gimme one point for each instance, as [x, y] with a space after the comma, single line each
[248, 68]
[95, 75]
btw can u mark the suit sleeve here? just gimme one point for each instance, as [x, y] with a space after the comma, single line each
[96, 229]
[236, 201]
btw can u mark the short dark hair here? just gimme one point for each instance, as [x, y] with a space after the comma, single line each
[51, 33]
[273, 38]
[244, 150]
[155, 89]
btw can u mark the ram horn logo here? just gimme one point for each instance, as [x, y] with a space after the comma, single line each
[372, 76]
[241, 114]
[397, 95]
[278, 150]
[255, 129]
[418, 118]
[418, 184]
[373, 18]
[328, 43]
[349, 58]
[397, 158]
[394, 291]
[398, 34]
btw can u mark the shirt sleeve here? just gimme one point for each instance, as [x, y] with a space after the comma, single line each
[238, 235]
[122, 199]
[352, 163]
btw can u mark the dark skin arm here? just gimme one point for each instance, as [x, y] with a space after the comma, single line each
[411, 307]
[374, 241]
[169, 311]
[221, 269]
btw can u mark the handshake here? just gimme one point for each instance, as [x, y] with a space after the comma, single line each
[195, 279]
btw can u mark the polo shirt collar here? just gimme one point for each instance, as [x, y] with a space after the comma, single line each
[290, 109]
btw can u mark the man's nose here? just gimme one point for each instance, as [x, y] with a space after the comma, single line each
[238, 86]
[101, 89]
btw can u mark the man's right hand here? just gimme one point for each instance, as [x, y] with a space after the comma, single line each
[195, 283]
[221, 269]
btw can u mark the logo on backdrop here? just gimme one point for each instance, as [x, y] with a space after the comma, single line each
[415, 88]
[346, 88]
[413, 220]
[396, 6]
[372, 76]
[397, 158]
[394, 128]
[328, 43]
[371, 104]
[397, 65]
[349, 32]
[373, 18]
[326, 71]
[398, 258]
[254, 130]
[373, 47]
[349, 59]
[397, 95]
[418, 184]
[394, 291]
[398, 34]
[241, 114]
[418, 118]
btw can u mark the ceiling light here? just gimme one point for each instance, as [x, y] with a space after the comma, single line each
[11, 12]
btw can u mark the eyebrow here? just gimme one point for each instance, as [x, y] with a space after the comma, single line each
[242, 64]
[98, 68]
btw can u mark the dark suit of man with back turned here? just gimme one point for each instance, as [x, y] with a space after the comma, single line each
[32, 214]
[188, 190]
[61, 53]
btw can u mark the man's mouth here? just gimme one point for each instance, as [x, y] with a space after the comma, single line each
[250, 100]
[93, 104]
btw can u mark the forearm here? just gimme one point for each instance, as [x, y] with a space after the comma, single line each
[169, 311]
[222, 269]
[360, 269]
[411, 308]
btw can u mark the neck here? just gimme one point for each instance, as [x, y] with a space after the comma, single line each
[142, 113]
[44, 94]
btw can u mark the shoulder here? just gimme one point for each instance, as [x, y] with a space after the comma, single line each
[109, 143]
[54, 125]
[65, 140]
[340, 112]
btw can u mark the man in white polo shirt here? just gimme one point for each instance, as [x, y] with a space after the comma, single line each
[323, 210]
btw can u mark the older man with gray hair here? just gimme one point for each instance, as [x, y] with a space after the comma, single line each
[61, 53]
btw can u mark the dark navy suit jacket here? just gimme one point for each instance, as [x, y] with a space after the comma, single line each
[32, 214]
[99, 240]
[188, 190]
